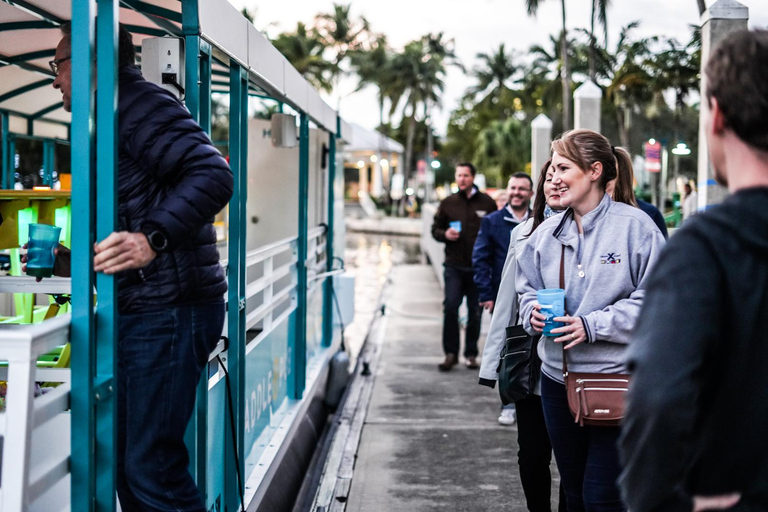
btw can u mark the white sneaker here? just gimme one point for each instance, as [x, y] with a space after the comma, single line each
[507, 417]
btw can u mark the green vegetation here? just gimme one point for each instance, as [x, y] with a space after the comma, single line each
[649, 86]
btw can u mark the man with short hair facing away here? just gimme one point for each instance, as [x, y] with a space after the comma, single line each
[694, 436]
[171, 184]
[456, 223]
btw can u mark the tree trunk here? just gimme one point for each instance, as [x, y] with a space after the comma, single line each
[592, 44]
[702, 6]
[565, 76]
[408, 157]
[621, 120]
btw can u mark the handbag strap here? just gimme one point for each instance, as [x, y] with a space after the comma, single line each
[562, 287]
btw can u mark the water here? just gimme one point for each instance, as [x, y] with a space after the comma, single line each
[370, 257]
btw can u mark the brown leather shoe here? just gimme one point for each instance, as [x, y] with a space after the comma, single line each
[451, 360]
[472, 363]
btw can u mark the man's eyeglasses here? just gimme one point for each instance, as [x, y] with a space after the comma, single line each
[55, 64]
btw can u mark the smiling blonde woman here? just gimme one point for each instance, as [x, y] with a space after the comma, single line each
[607, 249]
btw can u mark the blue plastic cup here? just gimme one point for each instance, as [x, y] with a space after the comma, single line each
[552, 302]
[43, 239]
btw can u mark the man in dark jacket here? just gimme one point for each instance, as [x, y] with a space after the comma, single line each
[694, 436]
[171, 184]
[492, 242]
[456, 223]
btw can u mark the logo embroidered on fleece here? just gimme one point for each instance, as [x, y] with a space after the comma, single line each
[610, 259]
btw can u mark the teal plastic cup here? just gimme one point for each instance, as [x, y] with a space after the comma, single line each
[43, 239]
[552, 302]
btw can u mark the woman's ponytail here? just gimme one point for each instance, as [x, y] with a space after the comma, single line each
[624, 190]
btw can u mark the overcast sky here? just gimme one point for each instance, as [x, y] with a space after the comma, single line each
[477, 26]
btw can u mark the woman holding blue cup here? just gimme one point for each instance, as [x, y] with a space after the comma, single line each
[605, 249]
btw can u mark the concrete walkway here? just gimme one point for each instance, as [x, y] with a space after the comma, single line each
[430, 440]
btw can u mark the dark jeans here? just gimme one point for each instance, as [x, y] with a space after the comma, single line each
[535, 455]
[587, 457]
[160, 357]
[460, 283]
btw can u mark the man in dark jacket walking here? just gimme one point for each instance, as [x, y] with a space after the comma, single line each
[171, 184]
[694, 436]
[456, 223]
[492, 242]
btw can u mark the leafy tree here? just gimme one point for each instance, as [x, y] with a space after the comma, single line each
[495, 75]
[417, 75]
[599, 13]
[372, 66]
[503, 149]
[565, 76]
[340, 32]
[304, 49]
[629, 79]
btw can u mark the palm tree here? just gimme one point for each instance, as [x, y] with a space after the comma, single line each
[417, 75]
[599, 12]
[493, 75]
[533, 8]
[372, 67]
[542, 87]
[342, 33]
[503, 148]
[676, 68]
[702, 6]
[304, 50]
[629, 78]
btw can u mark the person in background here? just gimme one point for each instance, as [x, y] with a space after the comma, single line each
[694, 435]
[171, 183]
[622, 190]
[534, 455]
[606, 249]
[456, 224]
[491, 248]
[502, 198]
[690, 202]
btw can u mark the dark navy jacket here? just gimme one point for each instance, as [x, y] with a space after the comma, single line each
[490, 252]
[171, 179]
[655, 215]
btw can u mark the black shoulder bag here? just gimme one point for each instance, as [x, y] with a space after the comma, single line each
[519, 365]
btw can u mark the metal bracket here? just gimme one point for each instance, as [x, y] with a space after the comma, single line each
[104, 390]
[241, 304]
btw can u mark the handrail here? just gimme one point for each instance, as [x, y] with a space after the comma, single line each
[262, 253]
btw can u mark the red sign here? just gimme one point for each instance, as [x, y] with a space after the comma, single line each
[653, 157]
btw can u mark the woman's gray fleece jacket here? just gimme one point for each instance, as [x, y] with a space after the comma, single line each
[619, 247]
[505, 308]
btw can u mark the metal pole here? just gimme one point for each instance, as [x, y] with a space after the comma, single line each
[6, 150]
[300, 347]
[236, 272]
[329, 254]
[82, 333]
[11, 176]
[48, 162]
[105, 340]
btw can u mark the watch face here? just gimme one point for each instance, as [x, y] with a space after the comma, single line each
[157, 241]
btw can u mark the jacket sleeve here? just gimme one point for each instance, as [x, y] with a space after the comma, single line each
[527, 280]
[679, 325]
[482, 261]
[169, 145]
[658, 218]
[440, 224]
[505, 314]
[616, 322]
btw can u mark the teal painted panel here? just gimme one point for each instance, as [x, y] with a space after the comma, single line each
[267, 371]
[218, 428]
[314, 322]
